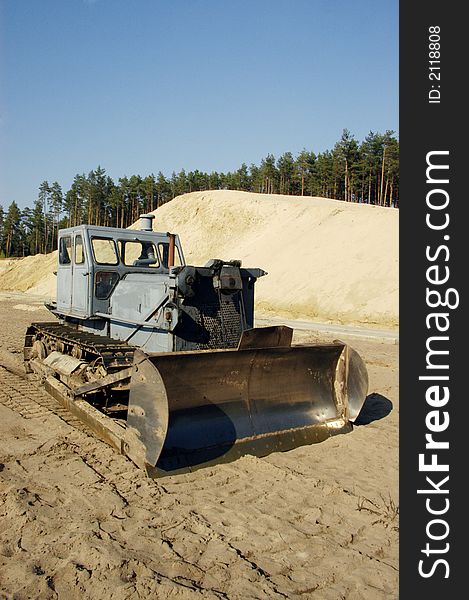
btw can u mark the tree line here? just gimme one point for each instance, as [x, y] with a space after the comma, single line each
[353, 171]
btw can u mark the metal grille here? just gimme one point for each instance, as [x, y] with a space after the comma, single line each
[222, 321]
[210, 321]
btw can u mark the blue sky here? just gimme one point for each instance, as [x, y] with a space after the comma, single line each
[141, 86]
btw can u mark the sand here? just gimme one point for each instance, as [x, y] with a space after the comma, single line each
[326, 260]
[78, 521]
[33, 274]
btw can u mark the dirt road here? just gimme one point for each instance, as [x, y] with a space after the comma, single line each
[79, 521]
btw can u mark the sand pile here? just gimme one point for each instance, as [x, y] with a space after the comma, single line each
[5, 264]
[327, 260]
[33, 274]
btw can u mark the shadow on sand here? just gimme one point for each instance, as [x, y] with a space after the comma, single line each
[375, 407]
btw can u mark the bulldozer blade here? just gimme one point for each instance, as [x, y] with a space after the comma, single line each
[266, 337]
[195, 409]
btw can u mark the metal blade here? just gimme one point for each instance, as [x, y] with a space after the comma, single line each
[225, 403]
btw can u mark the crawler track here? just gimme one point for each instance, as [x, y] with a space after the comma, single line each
[112, 354]
[106, 375]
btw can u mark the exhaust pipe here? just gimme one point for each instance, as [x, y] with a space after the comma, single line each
[172, 245]
[146, 222]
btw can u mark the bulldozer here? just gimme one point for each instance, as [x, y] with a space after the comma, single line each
[162, 360]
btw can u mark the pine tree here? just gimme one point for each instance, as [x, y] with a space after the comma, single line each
[56, 203]
[305, 170]
[269, 175]
[12, 230]
[243, 181]
[44, 198]
[286, 172]
[36, 238]
[214, 181]
[2, 222]
[346, 155]
[150, 192]
[163, 189]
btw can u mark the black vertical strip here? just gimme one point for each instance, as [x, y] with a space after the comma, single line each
[433, 547]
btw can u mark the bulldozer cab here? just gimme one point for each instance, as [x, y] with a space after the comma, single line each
[93, 259]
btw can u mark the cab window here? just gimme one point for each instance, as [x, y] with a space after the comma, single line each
[136, 253]
[79, 254]
[104, 283]
[104, 250]
[65, 250]
[163, 248]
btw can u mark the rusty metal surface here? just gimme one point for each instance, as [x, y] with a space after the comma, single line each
[225, 403]
[147, 416]
[357, 384]
[62, 363]
[172, 243]
[121, 438]
[103, 382]
[266, 337]
[104, 427]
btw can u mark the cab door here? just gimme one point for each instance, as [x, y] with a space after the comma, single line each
[64, 274]
[81, 278]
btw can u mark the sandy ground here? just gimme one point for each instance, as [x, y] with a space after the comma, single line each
[326, 260]
[79, 521]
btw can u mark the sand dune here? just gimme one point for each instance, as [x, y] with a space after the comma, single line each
[33, 274]
[326, 260]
